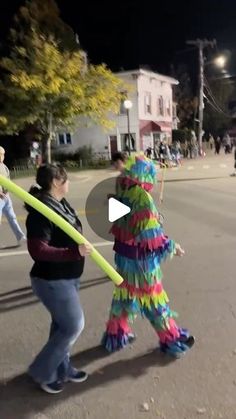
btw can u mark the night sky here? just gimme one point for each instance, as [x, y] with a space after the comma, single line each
[126, 35]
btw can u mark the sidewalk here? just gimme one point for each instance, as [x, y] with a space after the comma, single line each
[211, 165]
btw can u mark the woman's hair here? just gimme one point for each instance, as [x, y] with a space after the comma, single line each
[47, 173]
[44, 178]
[118, 156]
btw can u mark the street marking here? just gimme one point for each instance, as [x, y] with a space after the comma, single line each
[81, 180]
[223, 166]
[102, 244]
[25, 252]
[80, 212]
[190, 167]
[19, 253]
[206, 166]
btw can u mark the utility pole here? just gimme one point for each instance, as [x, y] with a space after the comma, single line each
[201, 44]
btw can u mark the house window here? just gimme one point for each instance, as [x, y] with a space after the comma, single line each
[68, 138]
[168, 108]
[174, 111]
[147, 103]
[64, 139]
[160, 106]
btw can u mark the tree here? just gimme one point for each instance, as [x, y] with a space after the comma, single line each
[44, 18]
[50, 88]
[183, 95]
[181, 135]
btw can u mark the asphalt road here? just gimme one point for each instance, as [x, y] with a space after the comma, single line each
[199, 209]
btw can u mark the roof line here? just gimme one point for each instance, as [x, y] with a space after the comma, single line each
[149, 73]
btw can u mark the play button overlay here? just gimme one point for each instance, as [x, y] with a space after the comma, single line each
[102, 209]
[116, 210]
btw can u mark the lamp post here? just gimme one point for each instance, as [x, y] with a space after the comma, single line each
[128, 105]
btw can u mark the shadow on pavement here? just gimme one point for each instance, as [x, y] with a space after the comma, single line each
[22, 396]
[14, 246]
[23, 297]
[12, 300]
[4, 294]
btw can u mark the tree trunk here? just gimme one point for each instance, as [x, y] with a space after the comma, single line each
[46, 149]
[47, 139]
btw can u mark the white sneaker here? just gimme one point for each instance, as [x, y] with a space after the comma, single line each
[53, 388]
[78, 377]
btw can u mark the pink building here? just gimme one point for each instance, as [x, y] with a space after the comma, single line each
[152, 117]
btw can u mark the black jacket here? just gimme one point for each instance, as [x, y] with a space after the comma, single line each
[55, 254]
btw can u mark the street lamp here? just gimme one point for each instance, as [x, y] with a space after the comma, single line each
[128, 105]
[220, 61]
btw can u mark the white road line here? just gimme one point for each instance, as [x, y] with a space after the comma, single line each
[223, 165]
[25, 252]
[19, 253]
[206, 166]
[84, 179]
[102, 244]
[190, 167]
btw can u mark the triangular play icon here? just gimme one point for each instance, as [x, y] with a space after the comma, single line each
[116, 210]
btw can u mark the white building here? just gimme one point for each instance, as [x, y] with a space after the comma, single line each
[151, 118]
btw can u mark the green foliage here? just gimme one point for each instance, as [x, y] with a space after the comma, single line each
[45, 81]
[48, 86]
[183, 95]
[181, 135]
[84, 153]
[42, 17]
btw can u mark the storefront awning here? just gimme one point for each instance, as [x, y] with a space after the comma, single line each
[146, 127]
[164, 126]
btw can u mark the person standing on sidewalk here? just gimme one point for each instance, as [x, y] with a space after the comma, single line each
[58, 266]
[217, 145]
[234, 146]
[211, 141]
[6, 207]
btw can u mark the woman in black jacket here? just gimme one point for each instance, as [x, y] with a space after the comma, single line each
[58, 265]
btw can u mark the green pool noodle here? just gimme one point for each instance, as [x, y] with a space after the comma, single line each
[62, 224]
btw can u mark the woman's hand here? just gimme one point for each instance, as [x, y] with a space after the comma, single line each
[85, 249]
[179, 251]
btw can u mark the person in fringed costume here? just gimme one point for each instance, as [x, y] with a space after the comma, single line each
[140, 248]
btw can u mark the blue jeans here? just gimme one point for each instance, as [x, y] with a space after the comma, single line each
[6, 208]
[61, 299]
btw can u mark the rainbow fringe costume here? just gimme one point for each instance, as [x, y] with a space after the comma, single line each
[140, 248]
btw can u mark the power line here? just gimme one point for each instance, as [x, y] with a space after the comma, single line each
[217, 109]
[214, 99]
